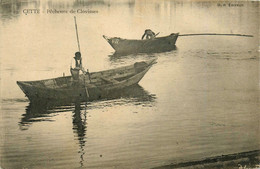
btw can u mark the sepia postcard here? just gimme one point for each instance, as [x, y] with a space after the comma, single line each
[129, 84]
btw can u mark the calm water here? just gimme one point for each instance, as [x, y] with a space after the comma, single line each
[198, 101]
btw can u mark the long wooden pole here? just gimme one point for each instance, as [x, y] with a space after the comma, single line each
[77, 32]
[85, 85]
[199, 34]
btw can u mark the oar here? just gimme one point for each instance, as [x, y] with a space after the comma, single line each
[86, 89]
[200, 34]
[147, 41]
[156, 34]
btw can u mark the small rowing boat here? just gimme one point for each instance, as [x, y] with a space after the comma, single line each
[88, 86]
[155, 45]
[158, 44]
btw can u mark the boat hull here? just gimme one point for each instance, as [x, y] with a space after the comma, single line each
[77, 90]
[160, 44]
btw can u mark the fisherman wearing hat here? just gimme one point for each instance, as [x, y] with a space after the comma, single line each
[78, 60]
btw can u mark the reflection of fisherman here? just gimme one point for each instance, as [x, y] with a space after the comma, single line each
[149, 34]
[78, 60]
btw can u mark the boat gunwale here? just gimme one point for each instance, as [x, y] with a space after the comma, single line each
[144, 40]
[91, 73]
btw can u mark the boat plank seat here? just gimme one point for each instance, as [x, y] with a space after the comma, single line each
[110, 80]
[111, 72]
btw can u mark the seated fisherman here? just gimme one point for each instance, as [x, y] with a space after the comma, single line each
[78, 60]
[78, 63]
[78, 66]
[149, 34]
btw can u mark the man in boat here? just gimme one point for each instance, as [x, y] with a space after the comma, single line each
[78, 66]
[78, 60]
[149, 34]
[78, 63]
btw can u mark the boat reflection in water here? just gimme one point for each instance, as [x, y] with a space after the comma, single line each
[153, 51]
[43, 111]
[123, 58]
[37, 112]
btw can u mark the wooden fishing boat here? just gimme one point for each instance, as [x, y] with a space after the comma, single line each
[158, 44]
[88, 86]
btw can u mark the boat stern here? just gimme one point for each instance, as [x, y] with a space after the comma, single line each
[106, 37]
[151, 62]
[23, 86]
[143, 71]
[174, 36]
[113, 41]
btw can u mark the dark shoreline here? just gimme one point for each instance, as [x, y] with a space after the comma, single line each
[249, 159]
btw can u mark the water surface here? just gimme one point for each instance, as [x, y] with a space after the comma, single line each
[200, 100]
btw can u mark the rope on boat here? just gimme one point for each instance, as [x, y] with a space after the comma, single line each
[199, 34]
